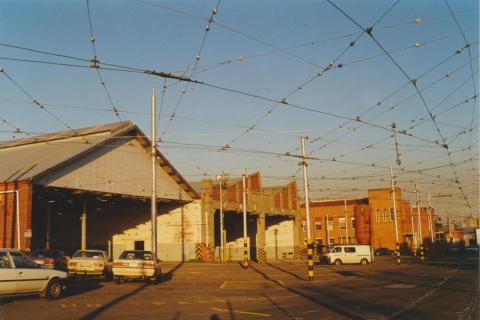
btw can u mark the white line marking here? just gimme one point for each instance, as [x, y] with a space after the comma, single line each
[243, 312]
[413, 304]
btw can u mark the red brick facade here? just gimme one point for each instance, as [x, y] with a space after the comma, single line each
[370, 220]
[8, 213]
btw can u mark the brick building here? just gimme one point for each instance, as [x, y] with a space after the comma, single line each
[76, 187]
[368, 220]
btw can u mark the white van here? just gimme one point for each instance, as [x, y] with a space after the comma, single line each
[340, 254]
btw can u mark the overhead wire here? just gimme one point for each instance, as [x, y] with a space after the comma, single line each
[95, 61]
[323, 70]
[33, 100]
[413, 82]
[192, 71]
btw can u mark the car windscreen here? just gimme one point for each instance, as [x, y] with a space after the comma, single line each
[88, 254]
[135, 255]
[45, 254]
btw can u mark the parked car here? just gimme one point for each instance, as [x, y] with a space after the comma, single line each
[93, 263]
[341, 254]
[383, 252]
[50, 258]
[136, 264]
[20, 275]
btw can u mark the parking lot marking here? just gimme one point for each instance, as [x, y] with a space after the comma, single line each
[413, 304]
[243, 312]
[223, 284]
[161, 303]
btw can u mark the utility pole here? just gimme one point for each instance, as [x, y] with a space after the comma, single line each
[450, 228]
[220, 178]
[420, 237]
[328, 233]
[307, 212]
[397, 244]
[346, 215]
[430, 224]
[153, 202]
[245, 245]
[414, 236]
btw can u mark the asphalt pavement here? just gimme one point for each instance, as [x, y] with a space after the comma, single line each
[446, 289]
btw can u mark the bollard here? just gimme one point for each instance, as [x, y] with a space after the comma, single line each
[245, 255]
[397, 253]
[310, 260]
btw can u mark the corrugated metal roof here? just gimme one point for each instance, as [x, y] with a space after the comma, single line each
[24, 159]
[28, 158]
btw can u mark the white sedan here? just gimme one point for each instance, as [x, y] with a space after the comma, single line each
[19, 275]
[136, 264]
[93, 263]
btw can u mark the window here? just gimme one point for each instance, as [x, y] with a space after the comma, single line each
[318, 226]
[337, 249]
[304, 225]
[341, 223]
[22, 261]
[349, 249]
[330, 225]
[4, 261]
[392, 215]
[378, 216]
[353, 223]
[331, 241]
[385, 215]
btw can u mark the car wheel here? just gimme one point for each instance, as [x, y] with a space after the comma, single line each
[54, 289]
[364, 262]
[338, 262]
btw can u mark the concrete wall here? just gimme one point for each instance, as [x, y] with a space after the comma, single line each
[279, 238]
[177, 232]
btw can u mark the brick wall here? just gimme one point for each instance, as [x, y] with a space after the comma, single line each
[8, 208]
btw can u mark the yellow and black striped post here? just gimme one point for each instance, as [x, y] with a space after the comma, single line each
[310, 260]
[261, 255]
[245, 254]
[397, 252]
[422, 258]
[198, 251]
[297, 254]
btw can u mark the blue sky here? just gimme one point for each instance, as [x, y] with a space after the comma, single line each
[274, 47]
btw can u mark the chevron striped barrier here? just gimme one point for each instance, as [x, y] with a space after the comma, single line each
[297, 254]
[199, 248]
[261, 255]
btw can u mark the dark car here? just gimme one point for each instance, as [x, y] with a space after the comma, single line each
[383, 252]
[50, 258]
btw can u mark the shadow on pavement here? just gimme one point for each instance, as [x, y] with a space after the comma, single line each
[78, 287]
[286, 271]
[336, 309]
[276, 305]
[169, 275]
[105, 307]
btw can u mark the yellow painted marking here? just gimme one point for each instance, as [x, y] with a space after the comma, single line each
[223, 284]
[161, 303]
[74, 305]
[243, 312]
[183, 302]
[62, 305]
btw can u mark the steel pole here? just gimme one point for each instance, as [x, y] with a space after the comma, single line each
[245, 244]
[307, 212]
[346, 215]
[414, 237]
[153, 203]
[420, 236]
[221, 221]
[430, 223]
[397, 244]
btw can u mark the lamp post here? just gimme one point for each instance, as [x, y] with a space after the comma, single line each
[221, 178]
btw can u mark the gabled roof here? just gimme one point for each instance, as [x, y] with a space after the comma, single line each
[32, 157]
